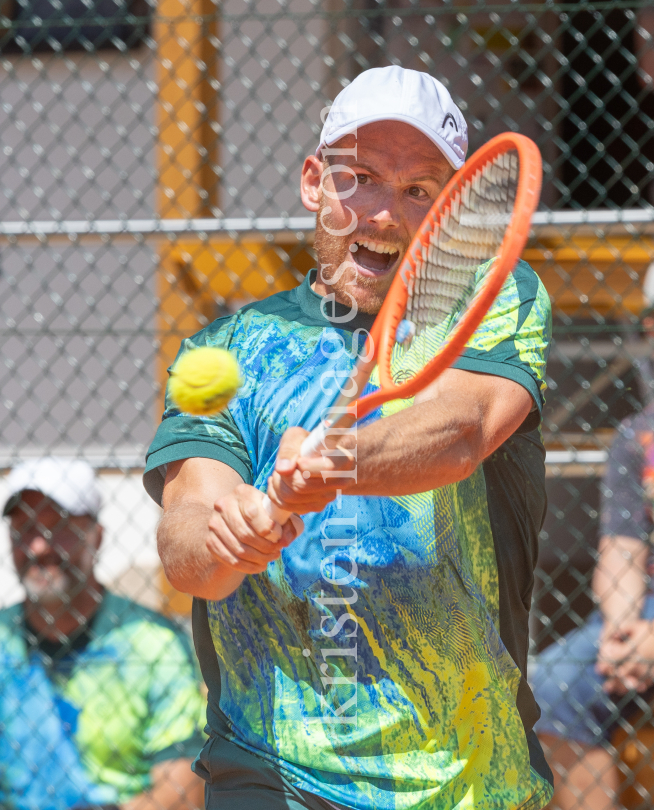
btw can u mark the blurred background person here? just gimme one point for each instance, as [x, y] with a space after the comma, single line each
[99, 696]
[604, 671]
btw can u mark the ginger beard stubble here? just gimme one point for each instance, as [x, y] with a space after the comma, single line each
[337, 266]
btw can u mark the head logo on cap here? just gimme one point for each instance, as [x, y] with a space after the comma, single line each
[449, 121]
[397, 94]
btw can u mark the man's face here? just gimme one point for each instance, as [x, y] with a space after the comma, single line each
[53, 554]
[364, 228]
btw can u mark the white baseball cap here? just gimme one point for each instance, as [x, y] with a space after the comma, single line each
[398, 94]
[71, 483]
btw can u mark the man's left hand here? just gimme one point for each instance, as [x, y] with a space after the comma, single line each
[627, 657]
[301, 484]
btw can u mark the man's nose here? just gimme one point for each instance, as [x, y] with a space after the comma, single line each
[36, 544]
[386, 215]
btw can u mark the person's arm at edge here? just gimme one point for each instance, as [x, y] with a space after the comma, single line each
[174, 787]
[443, 437]
[619, 585]
[214, 530]
[620, 580]
[620, 576]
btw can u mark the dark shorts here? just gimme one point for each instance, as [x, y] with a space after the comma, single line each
[238, 779]
[573, 703]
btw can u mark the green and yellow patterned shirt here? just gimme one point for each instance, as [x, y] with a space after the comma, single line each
[381, 662]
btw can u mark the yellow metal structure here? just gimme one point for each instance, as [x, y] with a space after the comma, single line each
[584, 272]
[200, 278]
[186, 32]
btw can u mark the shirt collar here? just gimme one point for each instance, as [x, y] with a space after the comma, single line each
[330, 312]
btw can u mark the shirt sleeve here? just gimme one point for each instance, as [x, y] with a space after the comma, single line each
[513, 339]
[625, 509]
[181, 435]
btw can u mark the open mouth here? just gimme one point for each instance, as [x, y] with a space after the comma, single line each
[374, 257]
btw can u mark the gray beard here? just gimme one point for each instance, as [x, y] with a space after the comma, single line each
[51, 591]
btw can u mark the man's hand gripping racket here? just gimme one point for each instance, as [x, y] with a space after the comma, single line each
[436, 300]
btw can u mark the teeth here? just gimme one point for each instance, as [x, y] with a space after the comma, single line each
[377, 247]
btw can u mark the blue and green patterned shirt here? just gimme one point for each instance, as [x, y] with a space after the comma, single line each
[380, 663]
[83, 723]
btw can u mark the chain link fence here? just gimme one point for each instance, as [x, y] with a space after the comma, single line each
[149, 165]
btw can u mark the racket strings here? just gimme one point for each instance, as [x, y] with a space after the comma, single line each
[467, 236]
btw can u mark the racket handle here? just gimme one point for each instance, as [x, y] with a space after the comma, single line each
[278, 515]
[310, 447]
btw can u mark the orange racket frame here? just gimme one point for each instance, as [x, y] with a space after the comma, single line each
[382, 336]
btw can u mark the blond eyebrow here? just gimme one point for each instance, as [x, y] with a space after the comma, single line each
[359, 165]
[421, 179]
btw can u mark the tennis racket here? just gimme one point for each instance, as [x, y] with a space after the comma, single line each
[455, 267]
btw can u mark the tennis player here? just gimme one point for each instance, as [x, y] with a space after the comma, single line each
[375, 657]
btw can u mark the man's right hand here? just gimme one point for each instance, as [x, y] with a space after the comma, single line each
[243, 536]
[214, 530]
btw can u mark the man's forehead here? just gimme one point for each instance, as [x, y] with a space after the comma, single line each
[34, 498]
[392, 143]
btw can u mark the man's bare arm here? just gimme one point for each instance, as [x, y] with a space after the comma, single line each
[626, 642]
[214, 530]
[620, 580]
[451, 428]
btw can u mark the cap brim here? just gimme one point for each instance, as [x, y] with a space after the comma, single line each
[452, 158]
[14, 500]
[12, 503]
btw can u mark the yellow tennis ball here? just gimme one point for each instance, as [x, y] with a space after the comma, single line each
[204, 380]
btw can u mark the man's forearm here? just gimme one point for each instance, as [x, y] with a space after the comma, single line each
[449, 430]
[619, 580]
[188, 564]
[428, 446]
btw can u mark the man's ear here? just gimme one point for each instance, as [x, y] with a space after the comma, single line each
[99, 535]
[310, 183]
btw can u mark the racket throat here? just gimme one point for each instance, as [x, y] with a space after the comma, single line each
[334, 425]
[405, 332]
[345, 411]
